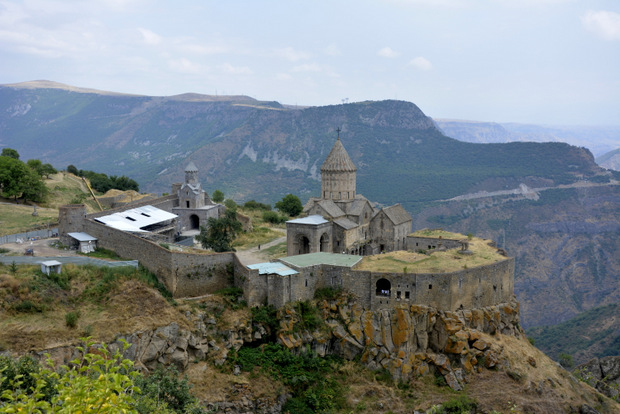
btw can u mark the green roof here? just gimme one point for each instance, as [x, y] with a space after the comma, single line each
[311, 259]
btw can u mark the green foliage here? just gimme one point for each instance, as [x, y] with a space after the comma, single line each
[217, 196]
[13, 267]
[230, 204]
[566, 361]
[17, 180]
[266, 316]
[28, 306]
[273, 217]
[585, 332]
[97, 382]
[327, 293]
[460, 405]
[102, 183]
[163, 389]
[102, 253]
[254, 205]
[71, 318]
[290, 204]
[72, 169]
[232, 293]
[9, 152]
[220, 233]
[308, 376]
[309, 316]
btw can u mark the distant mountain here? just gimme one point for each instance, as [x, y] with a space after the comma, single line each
[240, 144]
[610, 160]
[598, 139]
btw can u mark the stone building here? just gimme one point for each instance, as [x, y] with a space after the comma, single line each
[194, 205]
[343, 221]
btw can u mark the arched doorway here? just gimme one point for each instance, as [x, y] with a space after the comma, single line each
[303, 244]
[324, 243]
[384, 287]
[194, 222]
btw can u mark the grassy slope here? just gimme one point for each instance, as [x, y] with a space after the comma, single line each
[594, 333]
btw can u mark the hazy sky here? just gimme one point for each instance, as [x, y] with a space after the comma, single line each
[535, 61]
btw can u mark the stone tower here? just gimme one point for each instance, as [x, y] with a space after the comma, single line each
[338, 174]
[191, 174]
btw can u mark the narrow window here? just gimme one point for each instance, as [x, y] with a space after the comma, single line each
[406, 295]
[130, 218]
[398, 294]
[430, 287]
[187, 204]
[306, 282]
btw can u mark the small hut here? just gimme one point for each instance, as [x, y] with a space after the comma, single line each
[50, 266]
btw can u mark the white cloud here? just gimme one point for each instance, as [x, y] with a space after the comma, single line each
[184, 65]
[421, 63]
[333, 50]
[150, 38]
[235, 70]
[291, 54]
[307, 67]
[605, 24]
[388, 52]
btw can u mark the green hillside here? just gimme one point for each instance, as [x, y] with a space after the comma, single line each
[240, 144]
[594, 333]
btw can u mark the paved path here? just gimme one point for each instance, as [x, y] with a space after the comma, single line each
[78, 260]
[253, 255]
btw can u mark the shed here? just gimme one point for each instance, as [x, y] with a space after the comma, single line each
[86, 242]
[50, 266]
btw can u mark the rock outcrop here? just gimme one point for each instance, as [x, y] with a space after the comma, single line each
[603, 374]
[411, 340]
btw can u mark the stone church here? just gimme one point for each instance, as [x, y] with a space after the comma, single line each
[343, 221]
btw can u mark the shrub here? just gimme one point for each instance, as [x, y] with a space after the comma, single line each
[273, 217]
[460, 405]
[255, 205]
[327, 293]
[71, 319]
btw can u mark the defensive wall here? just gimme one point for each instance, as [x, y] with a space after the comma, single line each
[464, 289]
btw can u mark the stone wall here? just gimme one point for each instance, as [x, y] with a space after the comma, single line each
[465, 289]
[415, 243]
[70, 220]
[183, 274]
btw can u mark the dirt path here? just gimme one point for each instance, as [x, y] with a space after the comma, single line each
[41, 247]
[253, 255]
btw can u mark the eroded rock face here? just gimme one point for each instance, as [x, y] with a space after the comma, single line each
[603, 374]
[408, 340]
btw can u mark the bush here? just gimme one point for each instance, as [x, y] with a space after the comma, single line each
[71, 319]
[327, 293]
[460, 405]
[254, 205]
[290, 204]
[273, 217]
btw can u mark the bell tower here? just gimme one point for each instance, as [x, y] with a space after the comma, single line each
[338, 174]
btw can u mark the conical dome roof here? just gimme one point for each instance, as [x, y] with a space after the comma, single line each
[191, 167]
[338, 160]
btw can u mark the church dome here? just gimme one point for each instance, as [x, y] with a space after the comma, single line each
[338, 160]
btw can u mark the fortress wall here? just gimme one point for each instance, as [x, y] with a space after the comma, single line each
[70, 220]
[151, 255]
[254, 285]
[200, 274]
[416, 243]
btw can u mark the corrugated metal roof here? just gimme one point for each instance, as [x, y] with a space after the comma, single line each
[312, 259]
[273, 268]
[136, 219]
[82, 236]
[316, 219]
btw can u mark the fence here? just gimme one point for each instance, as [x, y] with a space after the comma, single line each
[41, 234]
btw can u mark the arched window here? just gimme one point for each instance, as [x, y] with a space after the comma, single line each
[304, 244]
[194, 222]
[384, 287]
[324, 243]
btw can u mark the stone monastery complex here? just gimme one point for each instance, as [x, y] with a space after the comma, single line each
[324, 248]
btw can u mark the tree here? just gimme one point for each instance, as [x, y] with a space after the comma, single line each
[48, 169]
[10, 152]
[72, 169]
[218, 196]
[220, 233]
[290, 204]
[12, 174]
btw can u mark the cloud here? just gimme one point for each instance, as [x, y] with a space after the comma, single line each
[333, 50]
[235, 70]
[388, 52]
[291, 54]
[421, 63]
[604, 24]
[307, 67]
[184, 65]
[150, 38]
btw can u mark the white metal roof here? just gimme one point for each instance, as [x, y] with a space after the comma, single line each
[50, 263]
[82, 236]
[136, 219]
[316, 219]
